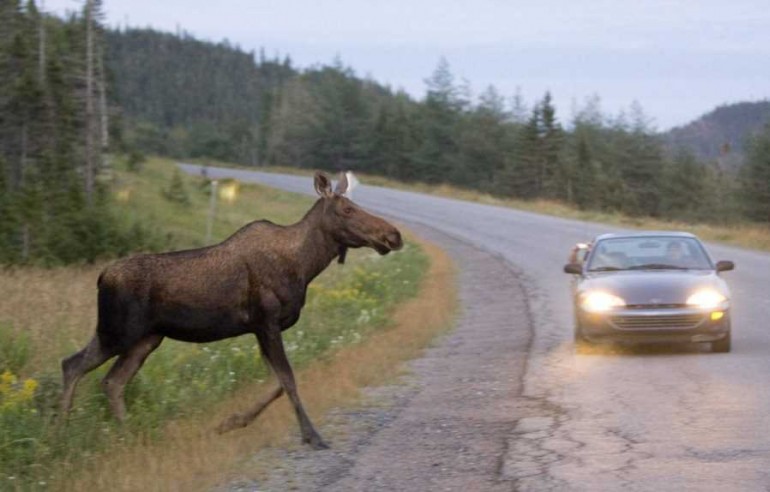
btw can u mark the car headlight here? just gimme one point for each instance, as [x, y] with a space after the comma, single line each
[598, 302]
[706, 299]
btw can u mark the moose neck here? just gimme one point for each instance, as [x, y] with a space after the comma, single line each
[316, 247]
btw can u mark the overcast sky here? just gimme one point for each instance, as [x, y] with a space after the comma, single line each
[678, 59]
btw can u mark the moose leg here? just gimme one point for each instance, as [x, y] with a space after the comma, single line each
[77, 365]
[237, 420]
[114, 383]
[271, 344]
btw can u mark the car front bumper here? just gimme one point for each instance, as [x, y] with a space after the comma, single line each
[680, 325]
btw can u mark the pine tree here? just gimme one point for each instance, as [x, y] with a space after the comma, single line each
[529, 162]
[440, 114]
[553, 181]
[484, 142]
[684, 187]
[582, 182]
[176, 191]
[755, 177]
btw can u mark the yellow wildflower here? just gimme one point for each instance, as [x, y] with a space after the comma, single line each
[28, 389]
[12, 393]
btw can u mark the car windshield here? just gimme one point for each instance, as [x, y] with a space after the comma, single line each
[648, 253]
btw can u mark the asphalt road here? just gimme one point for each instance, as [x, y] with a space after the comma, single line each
[681, 419]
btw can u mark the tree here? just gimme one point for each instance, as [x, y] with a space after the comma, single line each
[521, 176]
[44, 134]
[440, 113]
[684, 187]
[395, 138]
[636, 155]
[583, 178]
[176, 191]
[553, 181]
[94, 97]
[755, 178]
[484, 141]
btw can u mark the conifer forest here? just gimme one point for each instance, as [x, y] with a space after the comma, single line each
[76, 96]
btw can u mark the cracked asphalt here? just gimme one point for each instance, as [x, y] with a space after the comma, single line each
[615, 419]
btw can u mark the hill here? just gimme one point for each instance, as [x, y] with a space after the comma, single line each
[185, 97]
[721, 131]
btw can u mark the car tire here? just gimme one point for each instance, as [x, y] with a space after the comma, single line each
[722, 346]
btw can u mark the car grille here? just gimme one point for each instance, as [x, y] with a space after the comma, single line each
[656, 306]
[658, 322]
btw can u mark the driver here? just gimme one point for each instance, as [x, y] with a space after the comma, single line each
[677, 255]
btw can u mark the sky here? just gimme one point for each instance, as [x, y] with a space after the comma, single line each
[678, 59]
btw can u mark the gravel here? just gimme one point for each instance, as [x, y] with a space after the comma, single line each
[447, 425]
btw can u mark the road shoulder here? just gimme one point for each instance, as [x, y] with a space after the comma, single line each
[447, 424]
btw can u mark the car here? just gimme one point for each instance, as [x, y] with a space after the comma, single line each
[649, 287]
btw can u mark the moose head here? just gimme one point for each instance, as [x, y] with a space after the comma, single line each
[349, 224]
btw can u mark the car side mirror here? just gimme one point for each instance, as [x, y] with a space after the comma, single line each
[725, 266]
[573, 268]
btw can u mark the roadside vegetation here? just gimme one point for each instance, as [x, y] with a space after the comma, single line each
[47, 314]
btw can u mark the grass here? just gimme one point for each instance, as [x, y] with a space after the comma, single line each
[190, 457]
[48, 314]
[741, 233]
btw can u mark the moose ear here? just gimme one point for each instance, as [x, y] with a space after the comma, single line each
[342, 184]
[323, 185]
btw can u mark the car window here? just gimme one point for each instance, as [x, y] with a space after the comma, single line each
[654, 252]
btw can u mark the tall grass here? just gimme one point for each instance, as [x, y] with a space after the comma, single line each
[47, 314]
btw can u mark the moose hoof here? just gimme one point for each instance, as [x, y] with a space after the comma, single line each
[316, 442]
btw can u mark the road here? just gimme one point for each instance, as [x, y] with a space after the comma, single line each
[617, 420]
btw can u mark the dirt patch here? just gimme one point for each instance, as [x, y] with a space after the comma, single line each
[445, 426]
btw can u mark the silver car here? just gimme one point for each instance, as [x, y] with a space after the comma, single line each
[650, 287]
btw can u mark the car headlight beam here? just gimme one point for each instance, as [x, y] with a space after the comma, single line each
[706, 299]
[599, 302]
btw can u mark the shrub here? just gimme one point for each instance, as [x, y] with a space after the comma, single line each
[177, 191]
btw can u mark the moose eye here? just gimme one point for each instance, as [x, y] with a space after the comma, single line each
[347, 210]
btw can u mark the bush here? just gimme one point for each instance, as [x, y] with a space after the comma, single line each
[177, 191]
[134, 160]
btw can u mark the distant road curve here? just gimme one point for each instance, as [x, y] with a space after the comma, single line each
[640, 420]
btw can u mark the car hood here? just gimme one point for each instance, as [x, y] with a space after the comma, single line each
[654, 286]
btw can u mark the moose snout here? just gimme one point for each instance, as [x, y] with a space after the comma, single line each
[393, 240]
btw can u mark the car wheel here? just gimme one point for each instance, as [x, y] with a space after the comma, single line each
[722, 346]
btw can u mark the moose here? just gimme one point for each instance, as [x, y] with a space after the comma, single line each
[253, 282]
